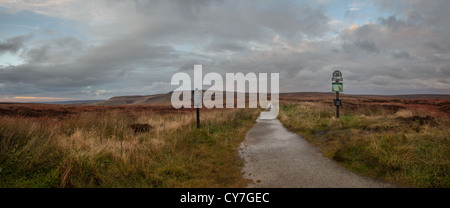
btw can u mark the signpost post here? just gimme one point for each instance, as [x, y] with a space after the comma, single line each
[198, 104]
[337, 86]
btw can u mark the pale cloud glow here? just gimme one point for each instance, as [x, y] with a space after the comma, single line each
[33, 99]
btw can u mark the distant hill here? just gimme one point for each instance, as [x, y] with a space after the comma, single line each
[146, 99]
[422, 96]
[137, 99]
[73, 102]
[343, 95]
[166, 98]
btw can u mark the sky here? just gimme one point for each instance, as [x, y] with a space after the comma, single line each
[78, 49]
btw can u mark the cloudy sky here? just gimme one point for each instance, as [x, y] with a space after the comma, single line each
[95, 49]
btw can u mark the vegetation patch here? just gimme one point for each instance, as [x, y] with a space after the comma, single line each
[124, 148]
[408, 148]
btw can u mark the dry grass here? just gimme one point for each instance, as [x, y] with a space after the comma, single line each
[409, 147]
[99, 149]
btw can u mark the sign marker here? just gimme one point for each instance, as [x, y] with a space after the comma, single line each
[337, 86]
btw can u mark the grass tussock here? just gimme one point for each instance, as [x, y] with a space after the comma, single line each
[406, 147]
[100, 149]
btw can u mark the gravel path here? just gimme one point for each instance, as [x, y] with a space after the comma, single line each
[277, 158]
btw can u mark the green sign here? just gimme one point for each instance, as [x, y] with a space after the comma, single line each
[337, 87]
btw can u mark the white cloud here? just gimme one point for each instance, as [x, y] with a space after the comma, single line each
[140, 44]
[90, 12]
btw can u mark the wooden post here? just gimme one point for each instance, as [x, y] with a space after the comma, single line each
[337, 107]
[337, 98]
[198, 117]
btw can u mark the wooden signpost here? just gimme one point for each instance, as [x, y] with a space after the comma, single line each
[337, 86]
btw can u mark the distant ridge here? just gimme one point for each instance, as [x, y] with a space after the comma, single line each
[166, 98]
[405, 96]
[145, 99]
[137, 99]
[72, 102]
[422, 96]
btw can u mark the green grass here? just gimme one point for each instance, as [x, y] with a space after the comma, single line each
[100, 150]
[376, 142]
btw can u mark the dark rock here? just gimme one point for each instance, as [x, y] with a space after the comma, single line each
[140, 128]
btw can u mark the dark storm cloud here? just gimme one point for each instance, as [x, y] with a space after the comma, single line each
[14, 44]
[392, 22]
[401, 55]
[226, 46]
[446, 69]
[436, 46]
[55, 51]
[95, 66]
[37, 54]
[361, 46]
